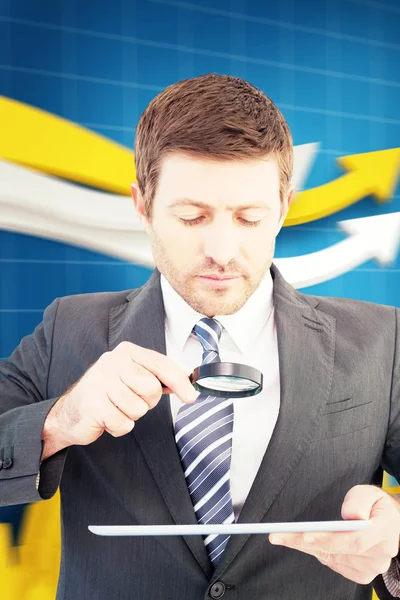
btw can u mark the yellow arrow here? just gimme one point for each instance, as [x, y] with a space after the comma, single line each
[48, 143]
[373, 173]
[30, 570]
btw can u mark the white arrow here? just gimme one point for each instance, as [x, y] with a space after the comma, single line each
[41, 205]
[375, 237]
[55, 199]
[304, 156]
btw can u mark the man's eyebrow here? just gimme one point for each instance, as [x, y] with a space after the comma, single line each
[198, 203]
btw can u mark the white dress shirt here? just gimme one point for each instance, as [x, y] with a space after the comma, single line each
[249, 337]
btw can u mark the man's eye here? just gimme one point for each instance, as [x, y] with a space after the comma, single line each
[250, 223]
[189, 222]
[197, 220]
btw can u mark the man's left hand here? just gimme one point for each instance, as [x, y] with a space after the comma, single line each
[357, 555]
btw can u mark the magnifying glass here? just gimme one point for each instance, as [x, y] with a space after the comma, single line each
[227, 380]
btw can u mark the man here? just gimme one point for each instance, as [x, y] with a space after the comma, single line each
[97, 400]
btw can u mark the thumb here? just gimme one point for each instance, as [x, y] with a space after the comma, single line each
[359, 501]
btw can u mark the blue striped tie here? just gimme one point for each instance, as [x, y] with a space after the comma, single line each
[203, 433]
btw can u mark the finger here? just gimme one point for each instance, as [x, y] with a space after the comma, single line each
[165, 369]
[142, 382]
[116, 422]
[389, 547]
[335, 542]
[371, 502]
[297, 541]
[342, 544]
[167, 390]
[361, 577]
[129, 403]
[119, 432]
[356, 568]
[364, 564]
[127, 378]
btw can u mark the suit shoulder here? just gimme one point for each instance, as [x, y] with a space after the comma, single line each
[83, 320]
[360, 310]
[98, 299]
[92, 305]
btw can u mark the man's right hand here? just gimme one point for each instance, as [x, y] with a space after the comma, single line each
[117, 390]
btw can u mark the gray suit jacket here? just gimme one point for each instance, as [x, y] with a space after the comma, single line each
[339, 426]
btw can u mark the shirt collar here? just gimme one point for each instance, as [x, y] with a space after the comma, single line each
[244, 326]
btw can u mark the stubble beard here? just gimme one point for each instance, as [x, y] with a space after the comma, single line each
[213, 302]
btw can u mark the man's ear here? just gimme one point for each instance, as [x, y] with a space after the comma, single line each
[285, 207]
[139, 204]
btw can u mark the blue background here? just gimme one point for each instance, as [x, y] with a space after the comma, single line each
[332, 67]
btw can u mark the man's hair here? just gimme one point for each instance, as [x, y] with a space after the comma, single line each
[219, 117]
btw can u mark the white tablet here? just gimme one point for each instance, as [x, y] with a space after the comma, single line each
[235, 528]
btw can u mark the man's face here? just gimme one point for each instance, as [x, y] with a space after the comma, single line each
[213, 228]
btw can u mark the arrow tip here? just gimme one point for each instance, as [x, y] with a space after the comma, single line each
[381, 234]
[380, 170]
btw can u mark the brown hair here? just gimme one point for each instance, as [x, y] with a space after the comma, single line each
[220, 117]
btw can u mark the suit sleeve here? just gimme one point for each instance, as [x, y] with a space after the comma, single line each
[392, 578]
[24, 406]
[391, 464]
[382, 585]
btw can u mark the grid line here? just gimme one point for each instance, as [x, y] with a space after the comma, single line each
[339, 113]
[275, 23]
[377, 5]
[74, 76]
[205, 52]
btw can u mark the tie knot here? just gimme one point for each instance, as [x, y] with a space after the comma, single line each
[208, 332]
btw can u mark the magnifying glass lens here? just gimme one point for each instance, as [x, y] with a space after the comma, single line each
[227, 384]
[227, 380]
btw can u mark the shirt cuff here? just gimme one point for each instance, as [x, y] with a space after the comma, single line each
[38, 476]
[392, 578]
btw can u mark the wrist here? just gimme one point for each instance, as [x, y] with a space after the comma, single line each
[53, 434]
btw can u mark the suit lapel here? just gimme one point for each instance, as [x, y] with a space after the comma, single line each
[141, 321]
[306, 344]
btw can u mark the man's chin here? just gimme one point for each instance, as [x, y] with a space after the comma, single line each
[212, 302]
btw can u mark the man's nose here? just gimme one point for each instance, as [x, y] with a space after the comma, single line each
[221, 245]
